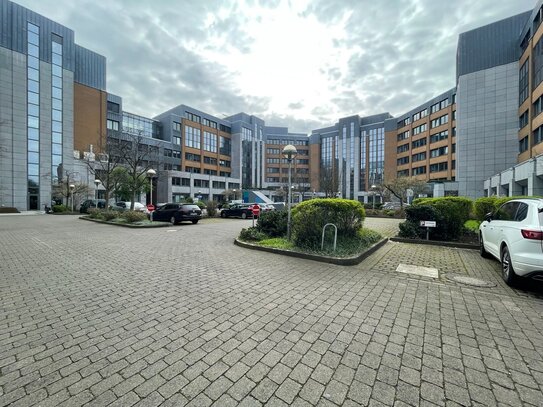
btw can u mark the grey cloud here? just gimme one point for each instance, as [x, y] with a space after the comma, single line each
[296, 105]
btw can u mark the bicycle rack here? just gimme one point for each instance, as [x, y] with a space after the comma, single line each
[335, 235]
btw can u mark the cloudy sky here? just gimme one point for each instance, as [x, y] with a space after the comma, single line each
[298, 63]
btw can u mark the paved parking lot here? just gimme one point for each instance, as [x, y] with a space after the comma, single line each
[101, 315]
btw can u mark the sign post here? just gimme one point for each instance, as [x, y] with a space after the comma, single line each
[256, 212]
[428, 224]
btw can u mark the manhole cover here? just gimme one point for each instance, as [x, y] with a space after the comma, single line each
[474, 282]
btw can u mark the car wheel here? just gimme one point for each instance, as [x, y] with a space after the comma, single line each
[244, 215]
[508, 273]
[173, 221]
[482, 250]
[194, 222]
[223, 214]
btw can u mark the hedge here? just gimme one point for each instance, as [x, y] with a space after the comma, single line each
[485, 205]
[309, 217]
[451, 213]
[273, 223]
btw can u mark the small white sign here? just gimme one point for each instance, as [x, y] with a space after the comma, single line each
[428, 223]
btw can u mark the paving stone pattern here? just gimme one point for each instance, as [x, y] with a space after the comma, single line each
[105, 316]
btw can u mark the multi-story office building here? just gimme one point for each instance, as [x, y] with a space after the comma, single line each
[52, 99]
[349, 156]
[526, 177]
[421, 144]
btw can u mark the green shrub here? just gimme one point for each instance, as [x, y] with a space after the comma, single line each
[273, 223]
[201, 204]
[211, 208]
[188, 199]
[60, 208]
[482, 206]
[414, 214]
[252, 235]
[309, 217]
[109, 214]
[133, 216]
[472, 225]
[94, 213]
[453, 212]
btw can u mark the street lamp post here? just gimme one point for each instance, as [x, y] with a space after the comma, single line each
[234, 190]
[96, 182]
[151, 174]
[373, 196]
[289, 152]
[72, 187]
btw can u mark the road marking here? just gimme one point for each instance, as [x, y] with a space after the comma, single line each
[417, 270]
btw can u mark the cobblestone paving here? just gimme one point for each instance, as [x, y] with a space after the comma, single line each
[100, 315]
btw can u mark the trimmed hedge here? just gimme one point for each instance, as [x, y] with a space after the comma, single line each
[60, 208]
[485, 205]
[451, 212]
[309, 217]
[273, 223]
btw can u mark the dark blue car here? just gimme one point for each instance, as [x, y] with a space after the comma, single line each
[176, 213]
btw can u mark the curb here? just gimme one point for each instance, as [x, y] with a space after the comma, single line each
[126, 225]
[436, 243]
[346, 261]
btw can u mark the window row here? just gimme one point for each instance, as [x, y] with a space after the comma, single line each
[420, 115]
[439, 121]
[439, 105]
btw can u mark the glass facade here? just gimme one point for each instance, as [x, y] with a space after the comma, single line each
[33, 116]
[363, 160]
[210, 142]
[376, 155]
[139, 126]
[192, 137]
[56, 111]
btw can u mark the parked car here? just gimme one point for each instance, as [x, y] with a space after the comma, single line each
[125, 206]
[238, 211]
[92, 203]
[176, 213]
[514, 235]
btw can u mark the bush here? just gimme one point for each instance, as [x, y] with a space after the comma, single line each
[109, 214]
[411, 228]
[189, 199]
[133, 216]
[201, 204]
[252, 235]
[472, 226]
[60, 208]
[94, 213]
[211, 208]
[453, 212]
[482, 206]
[273, 223]
[309, 217]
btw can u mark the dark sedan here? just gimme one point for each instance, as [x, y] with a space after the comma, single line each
[176, 213]
[238, 211]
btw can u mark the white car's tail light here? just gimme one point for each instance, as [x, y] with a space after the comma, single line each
[532, 234]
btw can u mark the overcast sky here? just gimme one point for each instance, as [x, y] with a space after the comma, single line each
[302, 64]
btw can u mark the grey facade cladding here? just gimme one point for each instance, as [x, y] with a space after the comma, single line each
[492, 45]
[529, 22]
[90, 68]
[13, 20]
[487, 126]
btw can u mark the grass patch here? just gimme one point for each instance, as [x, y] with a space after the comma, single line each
[346, 247]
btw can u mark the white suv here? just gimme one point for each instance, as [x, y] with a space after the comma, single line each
[514, 235]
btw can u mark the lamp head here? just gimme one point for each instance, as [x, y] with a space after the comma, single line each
[151, 173]
[289, 152]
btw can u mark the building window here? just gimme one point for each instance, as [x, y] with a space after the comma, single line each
[403, 148]
[167, 152]
[420, 115]
[210, 160]
[203, 183]
[176, 140]
[273, 151]
[33, 122]
[402, 173]
[193, 170]
[523, 120]
[418, 143]
[207, 171]
[420, 129]
[404, 122]
[224, 173]
[402, 161]
[538, 135]
[523, 145]
[442, 135]
[225, 146]
[439, 167]
[439, 121]
[537, 106]
[419, 157]
[440, 105]
[419, 170]
[224, 163]
[192, 117]
[209, 123]
[210, 142]
[437, 152]
[192, 137]
[404, 135]
[176, 126]
[112, 125]
[219, 185]
[193, 157]
[113, 107]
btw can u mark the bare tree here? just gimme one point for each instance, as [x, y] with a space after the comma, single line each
[138, 157]
[400, 186]
[329, 182]
[62, 187]
[104, 164]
